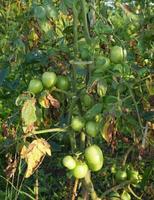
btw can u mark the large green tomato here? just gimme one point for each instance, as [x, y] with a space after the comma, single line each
[121, 175]
[114, 196]
[91, 128]
[62, 83]
[125, 196]
[94, 157]
[80, 170]
[49, 79]
[69, 162]
[77, 123]
[117, 54]
[35, 86]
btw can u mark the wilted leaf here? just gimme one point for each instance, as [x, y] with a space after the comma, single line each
[28, 114]
[54, 102]
[11, 169]
[34, 155]
[22, 98]
[107, 130]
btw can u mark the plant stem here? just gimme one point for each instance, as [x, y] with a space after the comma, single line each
[75, 188]
[47, 131]
[85, 23]
[117, 187]
[75, 28]
[89, 186]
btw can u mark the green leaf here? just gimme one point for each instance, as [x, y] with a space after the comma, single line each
[28, 112]
[96, 109]
[149, 116]
[3, 75]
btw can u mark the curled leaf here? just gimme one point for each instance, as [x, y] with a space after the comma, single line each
[34, 155]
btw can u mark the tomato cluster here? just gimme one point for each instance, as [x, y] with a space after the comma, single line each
[92, 160]
[48, 81]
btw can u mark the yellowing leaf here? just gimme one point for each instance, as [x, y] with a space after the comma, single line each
[106, 133]
[34, 155]
[28, 114]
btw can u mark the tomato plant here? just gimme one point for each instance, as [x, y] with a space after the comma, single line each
[90, 115]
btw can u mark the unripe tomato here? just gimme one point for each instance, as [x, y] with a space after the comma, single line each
[35, 86]
[101, 88]
[87, 100]
[80, 170]
[117, 54]
[121, 175]
[77, 123]
[69, 162]
[91, 128]
[114, 196]
[49, 79]
[94, 157]
[62, 83]
[125, 196]
[51, 11]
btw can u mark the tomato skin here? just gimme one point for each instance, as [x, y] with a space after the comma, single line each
[62, 83]
[80, 170]
[121, 175]
[117, 54]
[69, 162]
[94, 157]
[77, 123]
[35, 86]
[49, 79]
[91, 128]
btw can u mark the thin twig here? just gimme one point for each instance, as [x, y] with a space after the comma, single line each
[75, 188]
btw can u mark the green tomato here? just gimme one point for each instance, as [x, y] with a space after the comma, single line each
[117, 54]
[35, 86]
[77, 123]
[63, 83]
[49, 79]
[94, 157]
[120, 175]
[69, 162]
[114, 196]
[101, 88]
[80, 170]
[91, 128]
[125, 196]
[87, 100]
